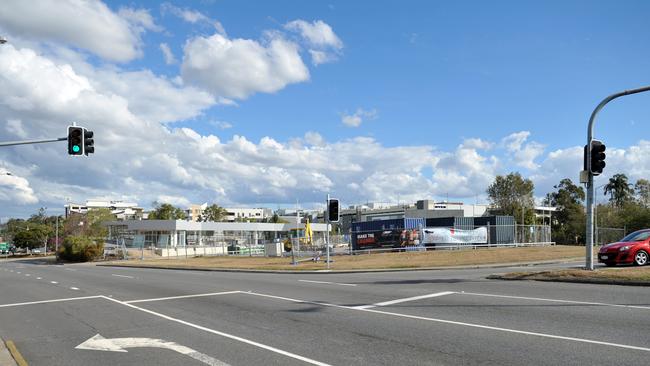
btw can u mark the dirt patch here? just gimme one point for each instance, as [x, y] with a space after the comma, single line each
[439, 258]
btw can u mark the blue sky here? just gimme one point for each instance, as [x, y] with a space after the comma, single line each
[409, 100]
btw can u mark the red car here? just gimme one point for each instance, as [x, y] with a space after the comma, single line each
[632, 249]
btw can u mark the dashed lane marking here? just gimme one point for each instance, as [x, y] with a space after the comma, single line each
[49, 301]
[329, 283]
[399, 301]
[117, 275]
[74, 288]
[53, 282]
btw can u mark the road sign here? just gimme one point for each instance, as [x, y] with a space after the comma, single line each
[99, 343]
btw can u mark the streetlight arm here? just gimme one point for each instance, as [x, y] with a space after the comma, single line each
[607, 100]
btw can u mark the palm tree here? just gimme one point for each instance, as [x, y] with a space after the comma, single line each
[619, 189]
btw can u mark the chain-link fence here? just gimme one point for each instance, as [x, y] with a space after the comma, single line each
[159, 244]
[606, 235]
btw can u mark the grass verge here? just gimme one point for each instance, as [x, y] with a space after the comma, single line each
[439, 258]
[615, 276]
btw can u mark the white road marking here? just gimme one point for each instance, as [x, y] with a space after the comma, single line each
[472, 325]
[99, 343]
[70, 269]
[39, 278]
[49, 301]
[18, 272]
[243, 340]
[27, 275]
[555, 300]
[183, 297]
[116, 275]
[398, 301]
[53, 282]
[74, 288]
[328, 283]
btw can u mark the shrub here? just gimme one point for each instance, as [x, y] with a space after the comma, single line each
[80, 249]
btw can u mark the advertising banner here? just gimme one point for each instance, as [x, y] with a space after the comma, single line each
[439, 235]
[394, 238]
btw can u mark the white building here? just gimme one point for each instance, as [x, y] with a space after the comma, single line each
[244, 214]
[123, 210]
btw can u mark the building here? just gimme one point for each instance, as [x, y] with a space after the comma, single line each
[170, 236]
[426, 209]
[250, 214]
[123, 210]
[195, 212]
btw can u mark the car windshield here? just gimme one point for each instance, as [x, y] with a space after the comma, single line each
[636, 236]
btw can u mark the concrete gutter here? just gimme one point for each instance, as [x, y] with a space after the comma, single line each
[298, 271]
[595, 281]
[7, 355]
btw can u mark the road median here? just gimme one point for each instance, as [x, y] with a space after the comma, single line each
[628, 276]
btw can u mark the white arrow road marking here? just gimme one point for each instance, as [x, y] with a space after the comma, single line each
[99, 343]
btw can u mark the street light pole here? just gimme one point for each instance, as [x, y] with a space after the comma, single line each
[589, 257]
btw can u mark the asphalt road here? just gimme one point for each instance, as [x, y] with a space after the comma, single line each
[87, 315]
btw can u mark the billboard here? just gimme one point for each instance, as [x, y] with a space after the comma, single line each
[393, 238]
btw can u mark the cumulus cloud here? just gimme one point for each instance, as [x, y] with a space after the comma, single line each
[88, 25]
[523, 154]
[358, 117]
[141, 19]
[324, 45]
[14, 189]
[237, 68]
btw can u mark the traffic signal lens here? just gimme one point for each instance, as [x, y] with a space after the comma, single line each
[76, 148]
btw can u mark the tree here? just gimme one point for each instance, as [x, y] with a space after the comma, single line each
[619, 190]
[275, 219]
[513, 195]
[166, 211]
[642, 188]
[214, 212]
[568, 224]
[80, 249]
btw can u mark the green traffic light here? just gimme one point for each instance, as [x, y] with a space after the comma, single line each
[75, 148]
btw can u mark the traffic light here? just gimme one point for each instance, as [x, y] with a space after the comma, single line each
[75, 140]
[333, 210]
[89, 143]
[597, 157]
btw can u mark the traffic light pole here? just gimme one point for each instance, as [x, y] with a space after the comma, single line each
[589, 258]
[28, 142]
[327, 234]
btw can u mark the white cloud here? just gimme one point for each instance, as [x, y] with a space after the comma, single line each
[355, 119]
[15, 189]
[523, 154]
[167, 53]
[89, 25]
[237, 68]
[317, 33]
[15, 127]
[188, 15]
[222, 125]
[141, 19]
[324, 45]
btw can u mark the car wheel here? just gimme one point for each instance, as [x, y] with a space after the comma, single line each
[641, 258]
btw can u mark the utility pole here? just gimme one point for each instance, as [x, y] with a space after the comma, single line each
[327, 229]
[589, 255]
